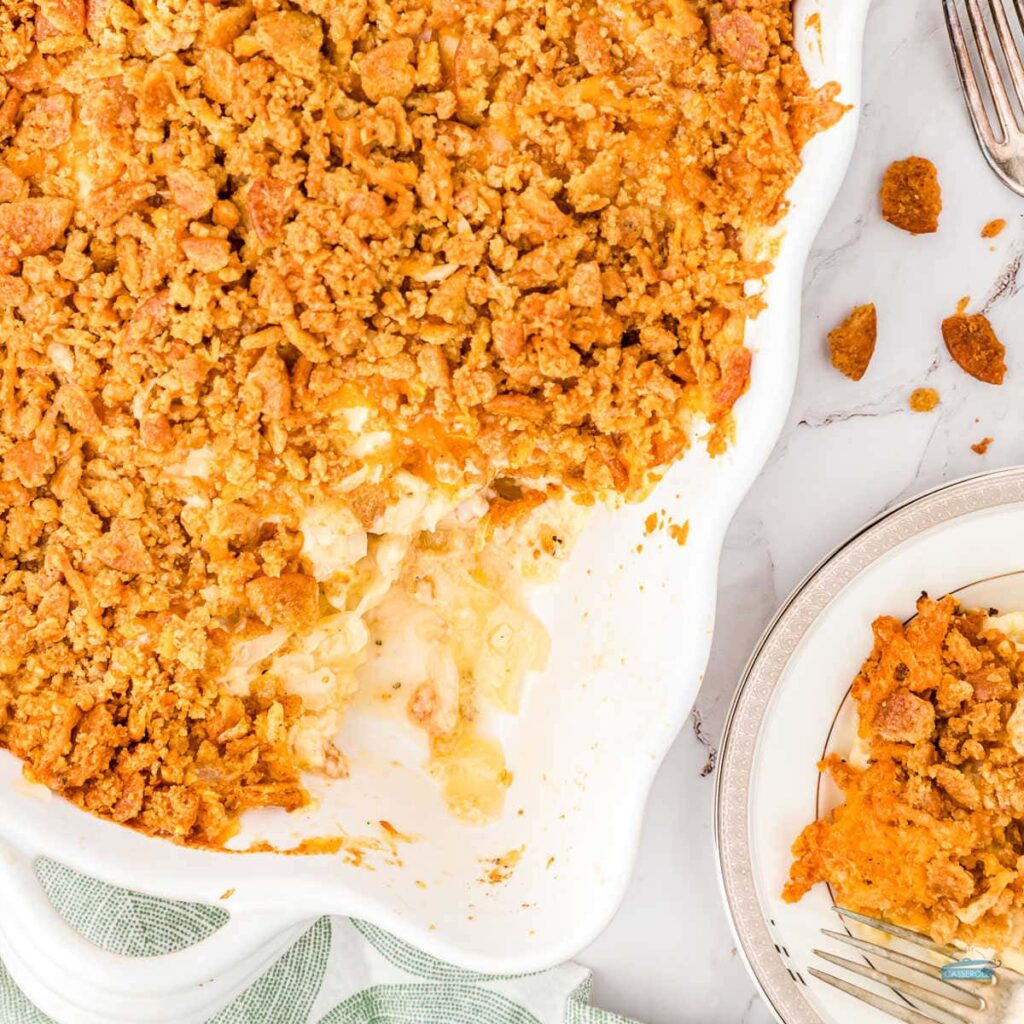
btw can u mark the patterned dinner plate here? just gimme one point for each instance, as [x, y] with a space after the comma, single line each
[793, 706]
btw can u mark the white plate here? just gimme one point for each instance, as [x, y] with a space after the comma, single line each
[793, 707]
[631, 633]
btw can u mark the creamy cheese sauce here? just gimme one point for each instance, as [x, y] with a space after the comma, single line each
[427, 613]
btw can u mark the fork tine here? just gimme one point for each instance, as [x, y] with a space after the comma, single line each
[968, 80]
[901, 933]
[909, 962]
[1009, 45]
[894, 1009]
[953, 1007]
[993, 76]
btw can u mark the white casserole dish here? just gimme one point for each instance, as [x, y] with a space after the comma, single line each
[631, 634]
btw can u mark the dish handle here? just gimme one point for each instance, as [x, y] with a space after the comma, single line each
[77, 982]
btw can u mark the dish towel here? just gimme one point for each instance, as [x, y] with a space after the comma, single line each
[340, 971]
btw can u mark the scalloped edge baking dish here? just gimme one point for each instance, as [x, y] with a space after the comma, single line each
[631, 631]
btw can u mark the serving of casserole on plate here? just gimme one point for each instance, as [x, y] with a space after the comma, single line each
[928, 835]
[901, 790]
[328, 332]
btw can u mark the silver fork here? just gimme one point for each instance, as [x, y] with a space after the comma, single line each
[1004, 151]
[983, 1002]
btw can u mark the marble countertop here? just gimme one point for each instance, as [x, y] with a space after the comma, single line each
[849, 450]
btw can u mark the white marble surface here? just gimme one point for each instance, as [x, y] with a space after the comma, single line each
[849, 450]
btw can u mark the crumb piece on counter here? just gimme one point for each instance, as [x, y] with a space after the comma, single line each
[852, 343]
[963, 303]
[982, 446]
[993, 228]
[974, 347]
[911, 196]
[924, 399]
[227, 894]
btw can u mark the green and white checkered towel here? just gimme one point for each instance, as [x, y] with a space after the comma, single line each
[339, 972]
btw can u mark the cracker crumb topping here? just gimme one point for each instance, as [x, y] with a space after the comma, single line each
[515, 237]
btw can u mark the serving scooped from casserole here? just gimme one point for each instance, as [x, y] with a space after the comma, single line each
[321, 325]
[930, 833]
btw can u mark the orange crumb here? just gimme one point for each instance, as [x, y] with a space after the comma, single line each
[316, 846]
[965, 301]
[501, 868]
[393, 833]
[924, 399]
[852, 343]
[651, 523]
[993, 228]
[974, 347]
[227, 894]
[679, 533]
[982, 446]
[723, 434]
[813, 24]
[911, 196]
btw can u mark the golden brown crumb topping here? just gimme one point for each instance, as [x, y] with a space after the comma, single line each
[852, 343]
[911, 196]
[981, 448]
[519, 232]
[931, 831]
